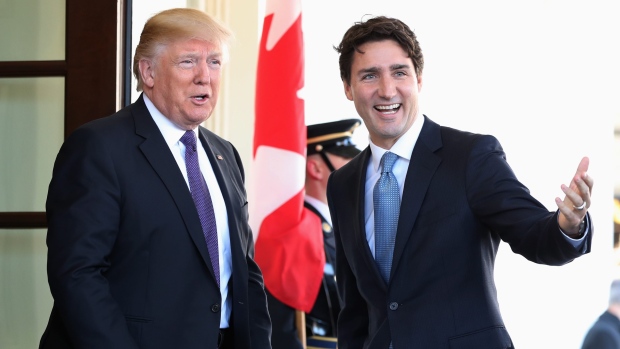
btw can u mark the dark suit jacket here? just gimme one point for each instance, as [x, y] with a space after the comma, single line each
[460, 199]
[604, 334]
[128, 265]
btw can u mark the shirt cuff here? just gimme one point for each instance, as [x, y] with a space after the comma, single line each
[580, 243]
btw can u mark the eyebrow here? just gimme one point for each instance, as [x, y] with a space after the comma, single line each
[376, 69]
[185, 55]
[368, 70]
[399, 66]
[196, 54]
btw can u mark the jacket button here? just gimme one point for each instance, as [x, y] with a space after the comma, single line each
[215, 308]
[393, 306]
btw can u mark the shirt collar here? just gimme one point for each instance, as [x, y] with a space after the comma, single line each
[319, 206]
[403, 146]
[171, 132]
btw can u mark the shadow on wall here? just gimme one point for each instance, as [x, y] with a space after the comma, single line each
[617, 229]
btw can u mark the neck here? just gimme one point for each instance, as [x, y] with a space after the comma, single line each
[317, 191]
[614, 309]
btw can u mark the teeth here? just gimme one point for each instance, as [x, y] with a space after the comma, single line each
[200, 97]
[388, 107]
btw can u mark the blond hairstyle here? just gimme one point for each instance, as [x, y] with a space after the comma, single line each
[178, 24]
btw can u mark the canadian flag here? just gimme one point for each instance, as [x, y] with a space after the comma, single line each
[289, 242]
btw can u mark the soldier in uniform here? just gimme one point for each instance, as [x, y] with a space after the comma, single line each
[330, 146]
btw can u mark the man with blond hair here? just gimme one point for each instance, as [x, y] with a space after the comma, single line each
[149, 242]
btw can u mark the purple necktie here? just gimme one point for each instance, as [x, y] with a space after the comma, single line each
[202, 199]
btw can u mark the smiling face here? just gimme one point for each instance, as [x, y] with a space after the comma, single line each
[183, 81]
[384, 88]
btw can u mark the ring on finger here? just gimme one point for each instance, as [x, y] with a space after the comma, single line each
[581, 207]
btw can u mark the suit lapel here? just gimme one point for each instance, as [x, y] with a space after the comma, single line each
[158, 155]
[219, 159]
[421, 169]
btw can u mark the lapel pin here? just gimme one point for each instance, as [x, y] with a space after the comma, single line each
[219, 157]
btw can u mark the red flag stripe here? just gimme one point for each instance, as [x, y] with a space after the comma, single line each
[289, 246]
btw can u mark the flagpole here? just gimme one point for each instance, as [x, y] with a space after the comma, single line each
[300, 324]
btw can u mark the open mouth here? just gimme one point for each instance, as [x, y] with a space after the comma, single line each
[200, 97]
[388, 109]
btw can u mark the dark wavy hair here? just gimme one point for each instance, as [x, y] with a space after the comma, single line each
[377, 29]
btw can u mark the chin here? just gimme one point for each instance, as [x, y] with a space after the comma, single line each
[200, 118]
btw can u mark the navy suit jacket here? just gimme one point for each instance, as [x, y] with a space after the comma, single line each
[128, 265]
[460, 199]
[604, 334]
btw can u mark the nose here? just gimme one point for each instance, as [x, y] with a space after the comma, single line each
[387, 88]
[203, 74]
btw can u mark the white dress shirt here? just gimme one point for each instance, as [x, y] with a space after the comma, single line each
[172, 135]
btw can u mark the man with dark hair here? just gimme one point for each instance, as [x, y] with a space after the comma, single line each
[149, 242]
[329, 147]
[418, 216]
[605, 333]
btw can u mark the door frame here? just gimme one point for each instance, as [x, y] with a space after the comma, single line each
[96, 78]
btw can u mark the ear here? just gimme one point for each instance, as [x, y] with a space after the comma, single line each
[347, 90]
[147, 72]
[313, 169]
[419, 82]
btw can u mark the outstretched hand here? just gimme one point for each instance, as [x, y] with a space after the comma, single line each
[577, 200]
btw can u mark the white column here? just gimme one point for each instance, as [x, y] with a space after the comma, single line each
[233, 117]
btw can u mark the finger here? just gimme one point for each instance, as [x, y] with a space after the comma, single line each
[581, 172]
[568, 213]
[569, 216]
[584, 190]
[563, 207]
[584, 164]
[589, 181]
[574, 198]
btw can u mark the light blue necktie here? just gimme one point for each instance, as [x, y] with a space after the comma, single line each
[386, 201]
